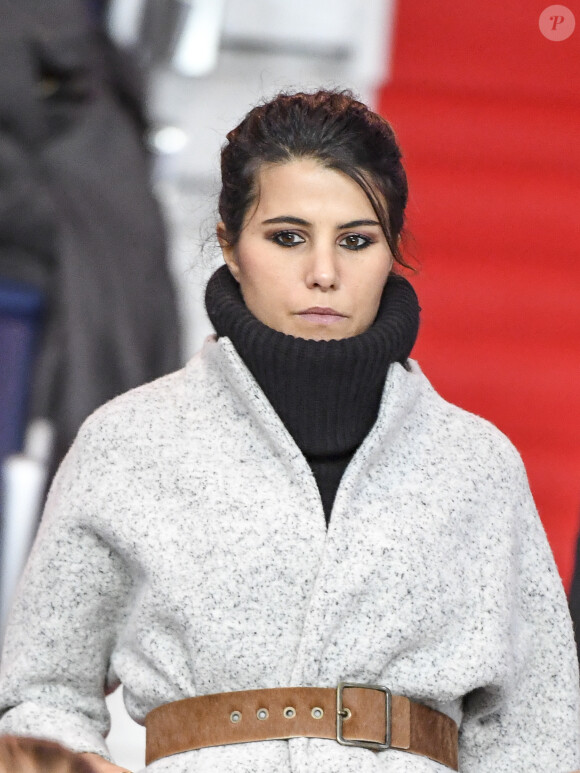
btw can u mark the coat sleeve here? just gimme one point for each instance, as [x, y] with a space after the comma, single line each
[532, 723]
[69, 606]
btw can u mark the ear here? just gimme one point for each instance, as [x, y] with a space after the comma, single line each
[228, 251]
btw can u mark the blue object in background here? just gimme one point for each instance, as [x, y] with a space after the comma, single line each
[21, 308]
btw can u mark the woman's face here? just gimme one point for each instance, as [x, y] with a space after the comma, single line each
[312, 259]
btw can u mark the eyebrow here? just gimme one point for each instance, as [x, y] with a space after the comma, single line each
[300, 221]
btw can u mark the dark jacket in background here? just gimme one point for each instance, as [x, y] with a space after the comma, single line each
[574, 598]
[77, 217]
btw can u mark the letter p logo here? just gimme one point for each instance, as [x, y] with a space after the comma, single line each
[557, 22]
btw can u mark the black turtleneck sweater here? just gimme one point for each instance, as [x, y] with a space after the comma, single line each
[327, 393]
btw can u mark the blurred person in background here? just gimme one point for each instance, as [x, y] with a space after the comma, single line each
[78, 221]
[295, 508]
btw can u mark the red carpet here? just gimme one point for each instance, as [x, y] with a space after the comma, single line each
[487, 111]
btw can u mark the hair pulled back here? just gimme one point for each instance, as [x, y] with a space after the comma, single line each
[331, 127]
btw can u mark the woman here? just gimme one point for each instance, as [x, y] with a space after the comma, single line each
[297, 508]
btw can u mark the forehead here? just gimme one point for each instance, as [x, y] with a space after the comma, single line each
[305, 188]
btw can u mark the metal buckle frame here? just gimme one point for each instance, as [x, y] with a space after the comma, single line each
[341, 713]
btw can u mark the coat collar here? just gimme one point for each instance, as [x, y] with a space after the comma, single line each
[401, 392]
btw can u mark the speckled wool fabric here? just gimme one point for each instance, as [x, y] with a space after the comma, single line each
[184, 551]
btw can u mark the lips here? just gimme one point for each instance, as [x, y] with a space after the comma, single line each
[319, 315]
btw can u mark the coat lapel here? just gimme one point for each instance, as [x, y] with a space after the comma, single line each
[322, 554]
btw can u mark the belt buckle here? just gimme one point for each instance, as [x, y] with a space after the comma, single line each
[342, 713]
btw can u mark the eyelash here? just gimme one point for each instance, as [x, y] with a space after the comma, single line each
[277, 239]
[366, 242]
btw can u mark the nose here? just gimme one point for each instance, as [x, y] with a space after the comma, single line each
[322, 270]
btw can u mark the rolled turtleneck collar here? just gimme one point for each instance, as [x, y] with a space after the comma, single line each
[327, 393]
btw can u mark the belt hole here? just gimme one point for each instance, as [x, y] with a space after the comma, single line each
[317, 712]
[289, 712]
[236, 716]
[345, 714]
[262, 713]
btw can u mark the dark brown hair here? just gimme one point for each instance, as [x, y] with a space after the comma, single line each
[331, 127]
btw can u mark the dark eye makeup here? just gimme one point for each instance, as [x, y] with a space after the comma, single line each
[353, 242]
[287, 238]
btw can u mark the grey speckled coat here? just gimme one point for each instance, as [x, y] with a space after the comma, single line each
[184, 551]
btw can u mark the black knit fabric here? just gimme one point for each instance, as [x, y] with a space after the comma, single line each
[327, 393]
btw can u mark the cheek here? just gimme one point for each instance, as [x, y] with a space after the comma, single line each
[372, 284]
[369, 293]
[261, 274]
[264, 285]
[257, 281]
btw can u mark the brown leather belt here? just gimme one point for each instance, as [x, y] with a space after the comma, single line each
[352, 714]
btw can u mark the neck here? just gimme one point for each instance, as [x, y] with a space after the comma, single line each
[327, 393]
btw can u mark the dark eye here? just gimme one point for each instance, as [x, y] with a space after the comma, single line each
[287, 238]
[355, 242]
